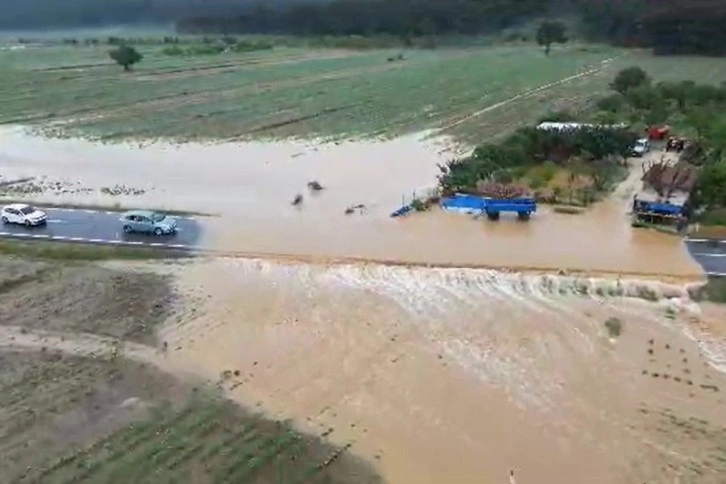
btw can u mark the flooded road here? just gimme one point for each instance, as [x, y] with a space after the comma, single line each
[433, 374]
[460, 375]
[251, 186]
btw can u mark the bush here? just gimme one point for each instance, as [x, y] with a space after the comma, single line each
[644, 97]
[612, 104]
[629, 78]
[614, 327]
[562, 116]
[529, 146]
[711, 189]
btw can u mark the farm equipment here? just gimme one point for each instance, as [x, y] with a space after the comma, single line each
[492, 207]
[658, 133]
[675, 144]
[523, 207]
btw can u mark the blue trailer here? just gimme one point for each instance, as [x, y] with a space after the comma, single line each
[492, 207]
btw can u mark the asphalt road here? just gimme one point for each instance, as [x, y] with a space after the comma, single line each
[710, 254]
[98, 227]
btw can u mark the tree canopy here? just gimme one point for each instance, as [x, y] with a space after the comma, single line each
[125, 56]
[550, 33]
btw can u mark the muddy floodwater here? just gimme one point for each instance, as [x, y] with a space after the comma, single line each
[433, 374]
[461, 375]
[251, 187]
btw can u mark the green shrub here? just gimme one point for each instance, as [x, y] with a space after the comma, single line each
[614, 327]
[629, 78]
[613, 103]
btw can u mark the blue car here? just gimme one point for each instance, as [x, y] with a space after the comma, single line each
[148, 222]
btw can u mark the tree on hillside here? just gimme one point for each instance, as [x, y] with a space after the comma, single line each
[550, 33]
[125, 56]
[629, 78]
[711, 185]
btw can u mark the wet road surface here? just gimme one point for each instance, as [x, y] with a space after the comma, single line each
[710, 254]
[99, 227]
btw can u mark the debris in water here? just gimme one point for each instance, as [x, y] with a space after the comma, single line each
[352, 209]
[297, 200]
[315, 186]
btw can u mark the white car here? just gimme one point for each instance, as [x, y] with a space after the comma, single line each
[22, 214]
[642, 146]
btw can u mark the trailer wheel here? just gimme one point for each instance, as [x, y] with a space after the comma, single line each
[493, 215]
[523, 215]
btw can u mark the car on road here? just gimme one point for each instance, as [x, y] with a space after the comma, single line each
[22, 214]
[148, 222]
[641, 147]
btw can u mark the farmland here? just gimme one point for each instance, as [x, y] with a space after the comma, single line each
[85, 399]
[292, 92]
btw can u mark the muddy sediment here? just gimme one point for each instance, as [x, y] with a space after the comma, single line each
[475, 367]
[433, 374]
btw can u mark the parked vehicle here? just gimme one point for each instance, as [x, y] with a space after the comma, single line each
[676, 144]
[658, 133]
[148, 222]
[641, 147]
[22, 214]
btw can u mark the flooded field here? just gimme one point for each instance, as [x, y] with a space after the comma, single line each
[251, 187]
[454, 375]
[429, 374]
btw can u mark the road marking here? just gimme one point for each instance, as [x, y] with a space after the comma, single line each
[56, 221]
[707, 254]
[61, 238]
[701, 241]
[716, 274]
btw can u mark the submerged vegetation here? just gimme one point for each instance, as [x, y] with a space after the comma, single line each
[538, 156]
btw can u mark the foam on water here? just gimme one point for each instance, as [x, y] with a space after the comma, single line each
[522, 333]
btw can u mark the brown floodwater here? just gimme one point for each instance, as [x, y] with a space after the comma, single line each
[461, 375]
[433, 374]
[251, 186]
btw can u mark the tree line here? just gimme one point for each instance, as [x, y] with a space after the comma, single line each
[371, 17]
[667, 26]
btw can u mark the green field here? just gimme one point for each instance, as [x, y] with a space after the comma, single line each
[76, 406]
[295, 92]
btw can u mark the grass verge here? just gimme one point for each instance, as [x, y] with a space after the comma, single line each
[715, 290]
[40, 249]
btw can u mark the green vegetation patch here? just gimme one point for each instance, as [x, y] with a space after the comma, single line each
[66, 419]
[63, 251]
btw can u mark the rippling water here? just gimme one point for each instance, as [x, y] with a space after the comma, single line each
[455, 375]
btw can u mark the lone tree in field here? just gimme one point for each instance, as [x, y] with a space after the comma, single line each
[550, 33]
[125, 56]
[629, 78]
